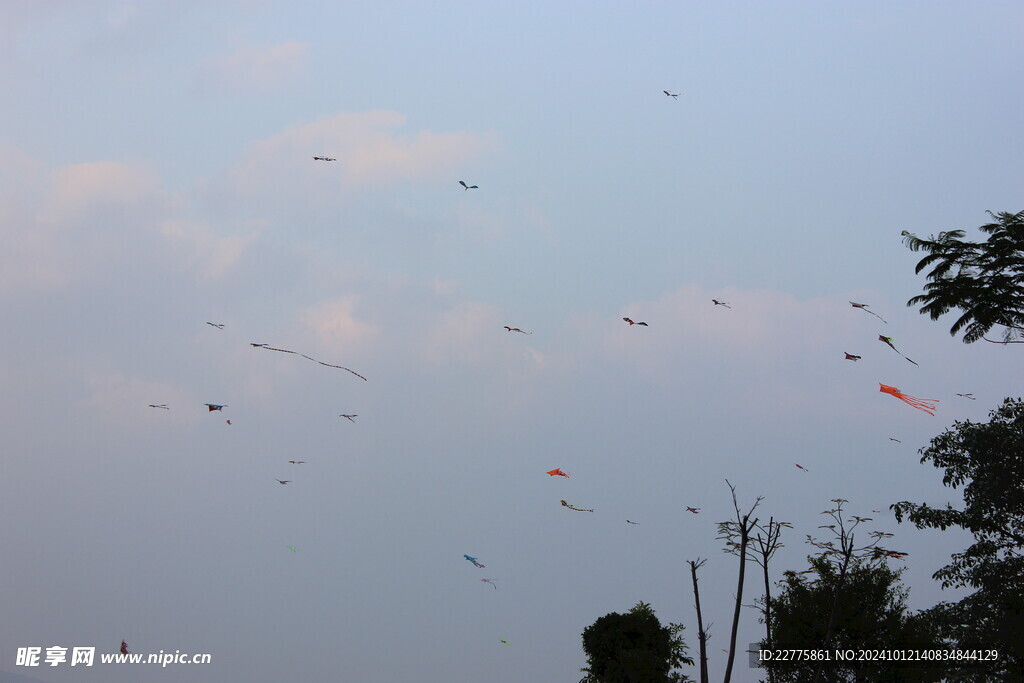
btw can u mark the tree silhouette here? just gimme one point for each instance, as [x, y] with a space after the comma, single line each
[984, 280]
[987, 460]
[634, 648]
[702, 634]
[871, 614]
[736, 534]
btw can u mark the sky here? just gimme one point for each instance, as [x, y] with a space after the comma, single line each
[156, 174]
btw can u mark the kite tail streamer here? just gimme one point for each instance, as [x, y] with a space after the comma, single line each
[925, 404]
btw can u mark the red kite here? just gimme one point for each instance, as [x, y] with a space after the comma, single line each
[925, 404]
[214, 406]
[695, 511]
[564, 504]
[802, 467]
[633, 323]
[850, 356]
[557, 472]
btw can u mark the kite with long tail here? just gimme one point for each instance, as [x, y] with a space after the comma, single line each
[340, 367]
[557, 472]
[571, 507]
[888, 341]
[864, 307]
[473, 560]
[491, 581]
[925, 404]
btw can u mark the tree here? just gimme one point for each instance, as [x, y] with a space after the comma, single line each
[987, 459]
[871, 614]
[702, 633]
[984, 280]
[736, 535]
[634, 648]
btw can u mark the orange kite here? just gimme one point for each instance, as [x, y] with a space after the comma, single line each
[925, 404]
[557, 472]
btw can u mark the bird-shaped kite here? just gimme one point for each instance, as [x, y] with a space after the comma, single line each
[349, 417]
[491, 581]
[468, 187]
[925, 404]
[296, 353]
[297, 462]
[720, 303]
[970, 396]
[888, 341]
[850, 356]
[215, 406]
[633, 323]
[162, 405]
[628, 521]
[219, 326]
[124, 648]
[864, 307]
[557, 472]
[505, 642]
[473, 560]
[670, 94]
[695, 511]
[802, 467]
[324, 159]
[282, 482]
[292, 548]
[571, 507]
[516, 329]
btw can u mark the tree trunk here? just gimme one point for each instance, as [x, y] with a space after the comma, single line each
[702, 637]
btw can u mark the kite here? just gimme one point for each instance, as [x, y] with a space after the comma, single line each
[228, 421]
[631, 522]
[888, 340]
[633, 323]
[292, 548]
[896, 440]
[864, 307]
[695, 511]
[721, 303]
[850, 356]
[468, 187]
[282, 482]
[215, 406]
[670, 94]
[925, 404]
[323, 159]
[557, 472]
[473, 560]
[970, 396]
[571, 507]
[297, 462]
[505, 642]
[802, 467]
[490, 581]
[219, 326]
[516, 329]
[340, 367]
[124, 648]
[349, 417]
[162, 405]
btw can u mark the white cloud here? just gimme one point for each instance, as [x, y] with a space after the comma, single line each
[336, 325]
[203, 251]
[369, 150]
[257, 67]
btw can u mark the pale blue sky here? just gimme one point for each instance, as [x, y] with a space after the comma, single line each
[157, 174]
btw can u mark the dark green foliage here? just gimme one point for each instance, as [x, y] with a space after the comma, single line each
[871, 613]
[633, 648]
[983, 280]
[987, 460]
